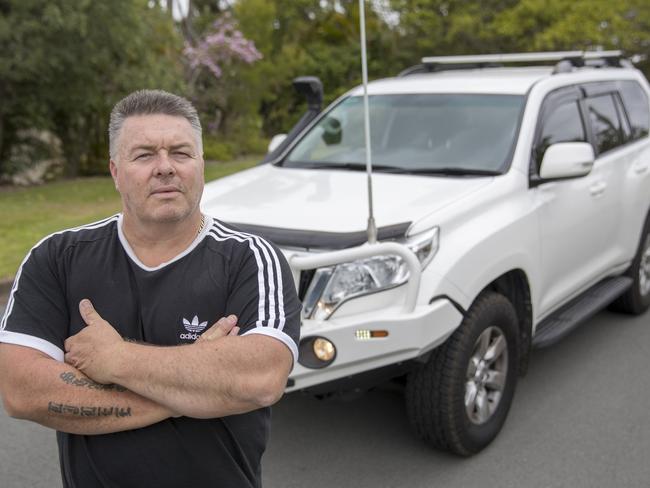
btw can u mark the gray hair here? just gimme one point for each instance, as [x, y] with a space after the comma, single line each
[151, 102]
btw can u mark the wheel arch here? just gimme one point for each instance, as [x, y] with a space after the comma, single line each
[515, 287]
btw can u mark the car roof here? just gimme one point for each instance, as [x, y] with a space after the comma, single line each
[506, 81]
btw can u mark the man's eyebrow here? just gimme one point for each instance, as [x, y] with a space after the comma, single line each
[147, 147]
[182, 145]
[152, 147]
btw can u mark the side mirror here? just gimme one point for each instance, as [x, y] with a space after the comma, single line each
[567, 160]
[276, 141]
[311, 88]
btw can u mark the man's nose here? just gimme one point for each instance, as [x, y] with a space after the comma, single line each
[164, 164]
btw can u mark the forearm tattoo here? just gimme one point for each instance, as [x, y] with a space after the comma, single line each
[71, 379]
[82, 411]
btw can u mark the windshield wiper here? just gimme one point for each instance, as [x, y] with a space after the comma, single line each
[339, 165]
[453, 171]
[385, 168]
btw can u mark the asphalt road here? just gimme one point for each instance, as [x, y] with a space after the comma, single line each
[580, 418]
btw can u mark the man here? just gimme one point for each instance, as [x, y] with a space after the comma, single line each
[91, 307]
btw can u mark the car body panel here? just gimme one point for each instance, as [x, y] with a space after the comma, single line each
[329, 200]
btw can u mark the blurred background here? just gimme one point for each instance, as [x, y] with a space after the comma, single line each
[64, 64]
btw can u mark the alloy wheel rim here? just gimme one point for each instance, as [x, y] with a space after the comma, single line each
[486, 375]
[644, 268]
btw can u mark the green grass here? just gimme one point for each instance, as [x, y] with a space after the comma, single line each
[29, 214]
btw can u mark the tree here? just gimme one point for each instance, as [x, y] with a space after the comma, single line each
[213, 64]
[63, 66]
[442, 27]
[309, 37]
[580, 24]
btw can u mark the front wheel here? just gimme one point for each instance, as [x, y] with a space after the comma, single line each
[459, 400]
[637, 299]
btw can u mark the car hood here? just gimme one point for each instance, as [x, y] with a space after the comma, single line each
[329, 200]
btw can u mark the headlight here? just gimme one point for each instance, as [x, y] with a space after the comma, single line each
[333, 285]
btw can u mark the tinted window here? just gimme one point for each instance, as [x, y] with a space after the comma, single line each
[562, 124]
[636, 106]
[605, 123]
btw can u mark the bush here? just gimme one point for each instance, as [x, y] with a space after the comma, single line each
[217, 150]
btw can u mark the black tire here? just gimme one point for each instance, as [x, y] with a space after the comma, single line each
[636, 300]
[435, 391]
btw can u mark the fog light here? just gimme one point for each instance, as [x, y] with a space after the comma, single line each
[316, 352]
[324, 349]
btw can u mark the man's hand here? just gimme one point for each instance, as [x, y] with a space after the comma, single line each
[94, 348]
[223, 327]
[213, 377]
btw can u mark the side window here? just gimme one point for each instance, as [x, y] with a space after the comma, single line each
[625, 126]
[605, 123]
[562, 124]
[636, 106]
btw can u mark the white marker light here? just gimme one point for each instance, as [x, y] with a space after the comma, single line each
[364, 334]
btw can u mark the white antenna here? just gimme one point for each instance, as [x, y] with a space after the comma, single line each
[372, 228]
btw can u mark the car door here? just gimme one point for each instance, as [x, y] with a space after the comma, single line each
[577, 216]
[635, 168]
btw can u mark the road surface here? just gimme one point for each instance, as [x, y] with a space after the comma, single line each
[580, 418]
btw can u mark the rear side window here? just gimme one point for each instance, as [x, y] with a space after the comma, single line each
[605, 123]
[562, 124]
[636, 106]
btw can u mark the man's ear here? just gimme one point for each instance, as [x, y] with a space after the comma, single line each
[113, 167]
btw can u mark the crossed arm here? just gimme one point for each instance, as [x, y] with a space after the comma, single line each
[38, 388]
[218, 375]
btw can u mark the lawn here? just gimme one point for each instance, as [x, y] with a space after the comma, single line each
[28, 214]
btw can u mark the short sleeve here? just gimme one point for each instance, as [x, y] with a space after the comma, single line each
[263, 295]
[36, 314]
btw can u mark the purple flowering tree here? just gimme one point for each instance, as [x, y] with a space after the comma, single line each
[222, 45]
[215, 62]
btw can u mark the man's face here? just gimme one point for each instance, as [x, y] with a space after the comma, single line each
[159, 170]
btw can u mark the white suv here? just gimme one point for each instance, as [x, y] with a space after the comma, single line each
[512, 204]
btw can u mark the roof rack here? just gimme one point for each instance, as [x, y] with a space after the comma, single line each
[565, 61]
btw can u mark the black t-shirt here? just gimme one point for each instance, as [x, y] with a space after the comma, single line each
[224, 271]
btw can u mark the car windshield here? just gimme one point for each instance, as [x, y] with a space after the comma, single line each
[415, 133]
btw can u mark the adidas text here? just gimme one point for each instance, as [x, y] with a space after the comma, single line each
[189, 336]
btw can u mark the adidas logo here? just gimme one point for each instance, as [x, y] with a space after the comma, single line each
[194, 325]
[194, 328]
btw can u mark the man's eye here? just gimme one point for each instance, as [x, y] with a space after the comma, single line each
[181, 154]
[143, 156]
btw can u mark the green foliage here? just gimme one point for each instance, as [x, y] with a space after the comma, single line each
[580, 24]
[436, 27]
[321, 38]
[308, 37]
[64, 63]
[216, 150]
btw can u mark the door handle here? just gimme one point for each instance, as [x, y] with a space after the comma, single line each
[640, 169]
[597, 189]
